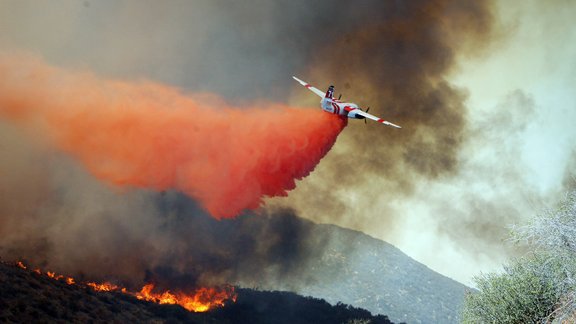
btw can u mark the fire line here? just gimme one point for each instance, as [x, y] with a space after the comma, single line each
[202, 299]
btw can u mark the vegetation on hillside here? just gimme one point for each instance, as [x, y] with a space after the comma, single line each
[539, 287]
[28, 297]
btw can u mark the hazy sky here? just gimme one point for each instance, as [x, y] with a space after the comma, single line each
[523, 106]
[497, 147]
[517, 160]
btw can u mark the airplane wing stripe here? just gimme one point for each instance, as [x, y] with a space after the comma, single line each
[378, 119]
[309, 87]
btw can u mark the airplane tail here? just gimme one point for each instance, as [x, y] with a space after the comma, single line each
[330, 92]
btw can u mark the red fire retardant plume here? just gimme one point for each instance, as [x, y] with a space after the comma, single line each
[148, 135]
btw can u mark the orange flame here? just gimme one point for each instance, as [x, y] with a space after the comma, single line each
[202, 300]
[106, 286]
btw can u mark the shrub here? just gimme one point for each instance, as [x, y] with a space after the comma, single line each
[526, 292]
[537, 288]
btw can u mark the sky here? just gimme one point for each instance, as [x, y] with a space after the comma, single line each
[482, 89]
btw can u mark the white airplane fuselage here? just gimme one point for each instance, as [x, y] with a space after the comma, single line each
[334, 106]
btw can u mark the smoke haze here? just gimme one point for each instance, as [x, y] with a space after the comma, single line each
[474, 153]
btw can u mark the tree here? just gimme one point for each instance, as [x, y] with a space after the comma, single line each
[553, 230]
[525, 293]
[553, 233]
[539, 287]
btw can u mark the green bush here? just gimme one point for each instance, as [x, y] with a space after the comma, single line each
[538, 288]
[527, 292]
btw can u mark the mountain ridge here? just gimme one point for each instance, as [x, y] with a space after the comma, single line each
[369, 273]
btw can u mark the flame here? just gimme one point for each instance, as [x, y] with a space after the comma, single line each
[105, 286]
[56, 276]
[201, 300]
[53, 275]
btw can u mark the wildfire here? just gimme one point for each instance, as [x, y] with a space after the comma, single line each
[202, 300]
[106, 286]
[53, 275]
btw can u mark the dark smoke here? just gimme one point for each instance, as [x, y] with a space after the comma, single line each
[398, 64]
[72, 224]
[274, 246]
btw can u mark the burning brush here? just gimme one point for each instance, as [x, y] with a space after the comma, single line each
[202, 299]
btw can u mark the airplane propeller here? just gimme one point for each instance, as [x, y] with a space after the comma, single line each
[367, 109]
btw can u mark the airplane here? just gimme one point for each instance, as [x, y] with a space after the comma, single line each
[335, 106]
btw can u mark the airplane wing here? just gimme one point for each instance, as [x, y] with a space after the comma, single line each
[380, 120]
[311, 88]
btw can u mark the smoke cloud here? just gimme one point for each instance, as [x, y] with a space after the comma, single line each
[398, 65]
[435, 188]
[151, 136]
[391, 56]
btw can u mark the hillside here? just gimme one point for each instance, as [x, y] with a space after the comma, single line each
[274, 250]
[359, 270]
[27, 297]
